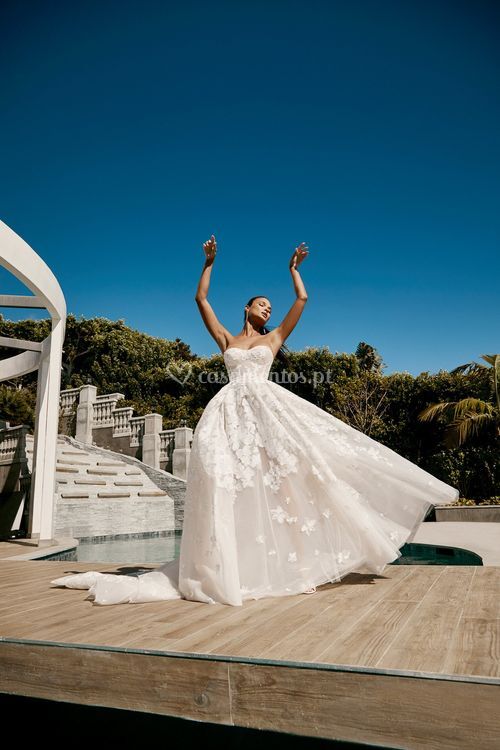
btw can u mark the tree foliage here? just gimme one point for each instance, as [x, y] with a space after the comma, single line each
[470, 417]
[164, 376]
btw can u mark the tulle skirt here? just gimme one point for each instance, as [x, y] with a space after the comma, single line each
[280, 496]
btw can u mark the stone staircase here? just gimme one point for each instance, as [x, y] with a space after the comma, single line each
[100, 492]
[84, 475]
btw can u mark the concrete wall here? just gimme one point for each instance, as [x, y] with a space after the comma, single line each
[86, 518]
[103, 437]
[484, 513]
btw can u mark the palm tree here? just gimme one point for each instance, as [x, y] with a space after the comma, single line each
[469, 416]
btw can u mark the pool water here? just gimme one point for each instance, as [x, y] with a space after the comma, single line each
[135, 550]
[162, 549]
[413, 553]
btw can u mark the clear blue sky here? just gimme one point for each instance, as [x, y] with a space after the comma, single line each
[132, 131]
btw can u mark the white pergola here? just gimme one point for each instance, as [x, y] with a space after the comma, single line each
[46, 357]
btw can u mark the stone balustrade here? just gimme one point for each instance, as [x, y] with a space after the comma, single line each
[167, 442]
[121, 420]
[12, 443]
[99, 421]
[104, 407]
[136, 430]
[68, 399]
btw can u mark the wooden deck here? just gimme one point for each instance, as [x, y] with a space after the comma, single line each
[408, 659]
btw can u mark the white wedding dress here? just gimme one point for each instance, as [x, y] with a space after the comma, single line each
[280, 496]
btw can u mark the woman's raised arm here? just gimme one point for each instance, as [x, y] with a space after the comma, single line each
[213, 324]
[293, 315]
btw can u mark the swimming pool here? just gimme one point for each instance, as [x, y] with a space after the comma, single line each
[130, 549]
[415, 553]
[160, 549]
[142, 550]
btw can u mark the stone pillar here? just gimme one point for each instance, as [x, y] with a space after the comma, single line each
[43, 476]
[182, 451]
[151, 440]
[85, 414]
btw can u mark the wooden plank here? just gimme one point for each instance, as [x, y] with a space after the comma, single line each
[483, 599]
[236, 636]
[414, 588]
[371, 635]
[388, 710]
[35, 580]
[19, 580]
[165, 632]
[81, 624]
[348, 602]
[189, 688]
[347, 622]
[139, 620]
[35, 584]
[475, 648]
[20, 598]
[9, 549]
[72, 616]
[191, 638]
[351, 705]
[423, 642]
[6, 564]
[452, 586]
[57, 613]
[170, 634]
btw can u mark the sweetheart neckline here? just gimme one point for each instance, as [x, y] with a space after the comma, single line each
[259, 346]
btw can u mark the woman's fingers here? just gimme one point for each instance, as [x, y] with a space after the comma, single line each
[210, 245]
[301, 252]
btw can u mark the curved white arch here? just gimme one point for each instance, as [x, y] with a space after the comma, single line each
[19, 365]
[46, 356]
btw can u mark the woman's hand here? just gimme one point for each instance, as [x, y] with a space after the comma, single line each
[298, 256]
[210, 249]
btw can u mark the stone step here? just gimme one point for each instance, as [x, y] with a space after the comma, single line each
[132, 472]
[111, 463]
[113, 494]
[103, 472]
[73, 453]
[76, 453]
[66, 469]
[72, 462]
[91, 481]
[128, 483]
[80, 494]
[152, 493]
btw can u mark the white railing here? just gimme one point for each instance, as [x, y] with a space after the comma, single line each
[167, 444]
[94, 412]
[13, 443]
[136, 431]
[68, 399]
[121, 421]
[104, 407]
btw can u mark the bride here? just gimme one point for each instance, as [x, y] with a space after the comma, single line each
[281, 496]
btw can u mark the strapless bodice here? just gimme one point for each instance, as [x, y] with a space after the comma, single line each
[248, 365]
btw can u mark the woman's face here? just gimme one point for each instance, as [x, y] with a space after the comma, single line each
[260, 311]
